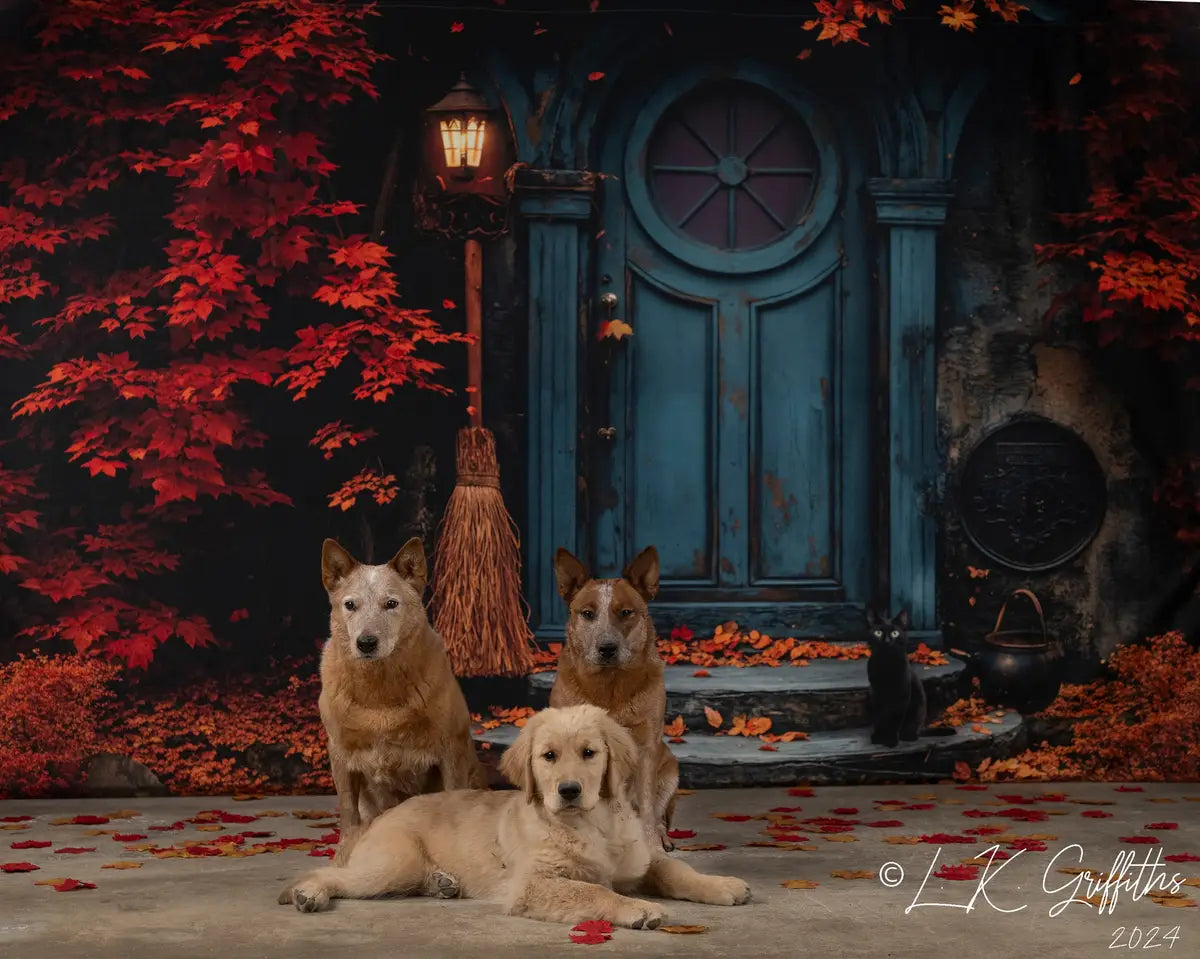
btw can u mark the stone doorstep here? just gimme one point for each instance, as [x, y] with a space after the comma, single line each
[834, 756]
[827, 694]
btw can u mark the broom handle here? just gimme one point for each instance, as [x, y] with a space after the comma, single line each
[473, 265]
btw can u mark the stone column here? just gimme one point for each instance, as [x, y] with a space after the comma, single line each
[557, 208]
[910, 214]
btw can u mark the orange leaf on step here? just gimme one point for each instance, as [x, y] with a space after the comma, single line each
[799, 884]
[715, 719]
[675, 728]
[852, 874]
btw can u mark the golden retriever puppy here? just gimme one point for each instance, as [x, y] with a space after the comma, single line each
[397, 722]
[566, 848]
[611, 660]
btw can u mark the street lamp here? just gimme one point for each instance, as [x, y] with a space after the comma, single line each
[462, 122]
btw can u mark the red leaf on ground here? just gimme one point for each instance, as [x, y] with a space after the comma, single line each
[173, 826]
[68, 884]
[18, 867]
[787, 808]
[985, 830]
[1028, 845]
[1130, 789]
[1162, 825]
[128, 836]
[32, 844]
[845, 811]
[1096, 814]
[457, 27]
[885, 824]
[1182, 857]
[75, 850]
[205, 850]
[15, 818]
[89, 820]
[681, 833]
[596, 75]
[801, 791]
[323, 852]
[600, 927]
[731, 817]
[768, 748]
[943, 837]
[1016, 800]
[920, 805]
[447, 304]
[974, 789]
[1144, 840]
[702, 673]
[958, 872]
[837, 827]
[788, 837]
[588, 939]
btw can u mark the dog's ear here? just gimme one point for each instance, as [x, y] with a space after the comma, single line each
[570, 573]
[622, 758]
[336, 563]
[410, 563]
[516, 764]
[642, 573]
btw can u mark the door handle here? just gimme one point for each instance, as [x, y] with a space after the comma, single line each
[607, 432]
[609, 300]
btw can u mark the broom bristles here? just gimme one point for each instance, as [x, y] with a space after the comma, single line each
[478, 606]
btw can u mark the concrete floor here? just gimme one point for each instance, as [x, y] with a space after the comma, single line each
[225, 908]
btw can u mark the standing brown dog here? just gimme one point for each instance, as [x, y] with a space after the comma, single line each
[396, 719]
[611, 660]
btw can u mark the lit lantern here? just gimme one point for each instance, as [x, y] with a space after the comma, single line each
[462, 120]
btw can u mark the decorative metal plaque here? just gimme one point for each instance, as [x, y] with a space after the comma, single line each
[1031, 495]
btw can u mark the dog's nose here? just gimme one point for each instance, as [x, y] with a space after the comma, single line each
[607, 650]
[367, 644]
[569, 790]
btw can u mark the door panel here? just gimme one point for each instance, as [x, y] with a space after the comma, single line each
[671, 430]
[794, 519]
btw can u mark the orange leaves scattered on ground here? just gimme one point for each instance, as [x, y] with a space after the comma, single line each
[675, 728]
[715, 719]
[196, 738]
[852, 874]
[683, 930]
[799, 884]
[515, 715]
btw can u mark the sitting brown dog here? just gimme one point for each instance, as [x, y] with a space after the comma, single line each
[397, 722]
[611, 660]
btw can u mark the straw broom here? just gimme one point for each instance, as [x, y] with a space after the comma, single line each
[477, 601]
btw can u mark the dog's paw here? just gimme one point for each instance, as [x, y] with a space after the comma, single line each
[308, 897]
[667, 844]
[726, 891]
[639, 914]
[442, 885]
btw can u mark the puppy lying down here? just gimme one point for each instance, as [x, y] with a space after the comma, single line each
[566, 848]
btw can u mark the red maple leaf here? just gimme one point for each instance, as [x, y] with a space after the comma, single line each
[18, 867]
[67, 885]
[957, 872]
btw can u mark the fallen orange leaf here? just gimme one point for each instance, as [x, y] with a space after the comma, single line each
[852, 874]
[122, 864]
[714, 718]
[839, 837]
[683, 930]
[799, 884]
[675, 728]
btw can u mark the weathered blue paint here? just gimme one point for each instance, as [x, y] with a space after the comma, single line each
[556, 221]
[910, 213]
[740, 402]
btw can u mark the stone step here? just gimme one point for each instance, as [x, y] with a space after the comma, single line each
[827, 694]
[838, 757]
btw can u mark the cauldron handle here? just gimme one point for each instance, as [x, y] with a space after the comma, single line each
[1036, 605]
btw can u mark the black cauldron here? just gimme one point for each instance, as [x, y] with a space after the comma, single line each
[1019, 668]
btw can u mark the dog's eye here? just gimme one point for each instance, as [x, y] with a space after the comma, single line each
[626, 613]
[349, 604]
[549, 756]
[588, 613]
[392, 603]
[587, 753]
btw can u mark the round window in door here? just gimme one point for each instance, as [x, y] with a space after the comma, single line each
[732, 176]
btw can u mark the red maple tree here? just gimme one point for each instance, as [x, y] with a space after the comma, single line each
[167, 219]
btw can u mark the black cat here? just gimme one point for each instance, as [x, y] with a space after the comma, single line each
[897, 696]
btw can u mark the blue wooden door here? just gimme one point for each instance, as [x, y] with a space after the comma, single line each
[733, 426]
